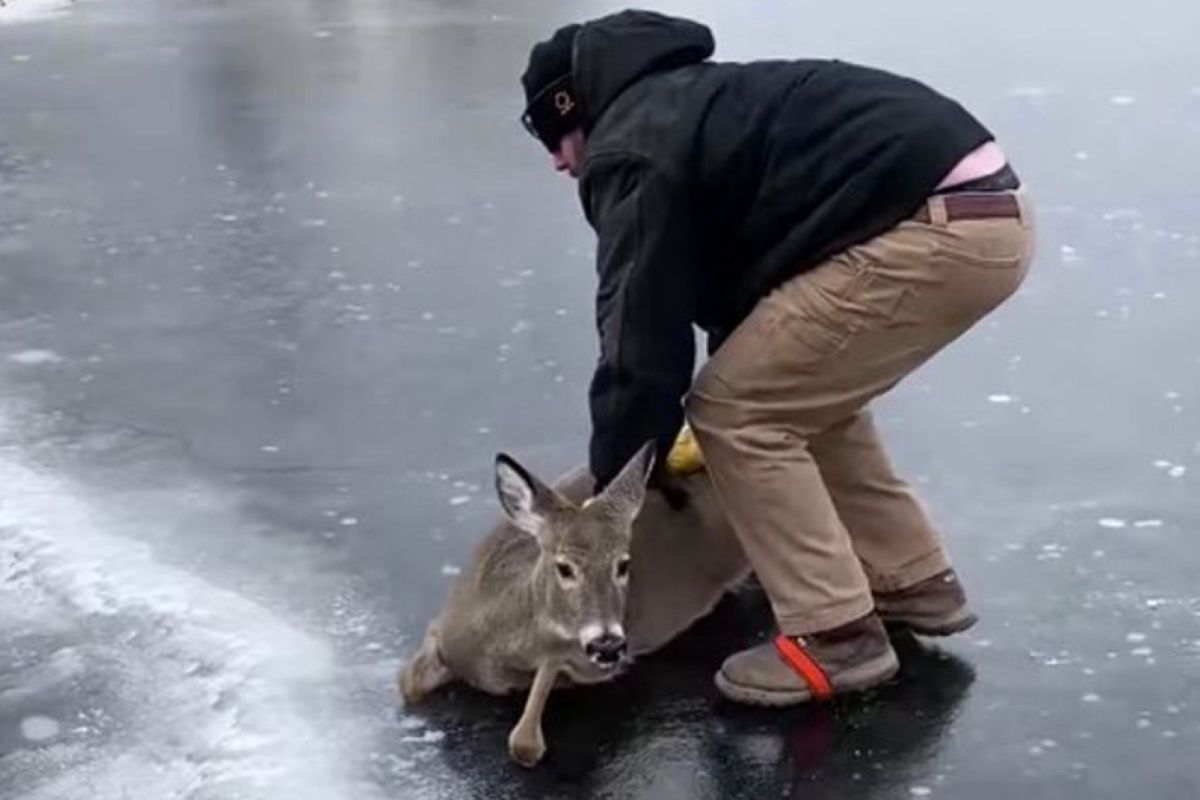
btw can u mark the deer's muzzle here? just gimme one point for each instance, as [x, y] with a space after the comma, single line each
[606, 650]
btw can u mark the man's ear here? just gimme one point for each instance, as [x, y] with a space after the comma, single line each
[526, 500]
[626, 493]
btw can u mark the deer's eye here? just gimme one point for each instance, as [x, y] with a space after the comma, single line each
[623, 568]
[565, 570]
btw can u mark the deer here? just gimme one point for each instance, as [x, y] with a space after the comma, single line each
[569, 588]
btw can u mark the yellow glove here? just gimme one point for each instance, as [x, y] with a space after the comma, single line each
[685, 456]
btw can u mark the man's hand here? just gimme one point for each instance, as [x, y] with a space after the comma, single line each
[668, 485]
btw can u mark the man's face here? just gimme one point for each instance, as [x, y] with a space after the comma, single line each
[569, 155]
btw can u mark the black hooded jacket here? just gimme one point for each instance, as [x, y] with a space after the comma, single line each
[709, 184]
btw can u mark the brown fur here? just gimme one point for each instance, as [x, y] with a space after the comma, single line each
[497, 628]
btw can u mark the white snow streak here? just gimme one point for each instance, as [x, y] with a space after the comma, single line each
[14, 11]
[35, 358]
[215, 689]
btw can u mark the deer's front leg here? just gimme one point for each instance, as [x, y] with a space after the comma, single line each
[526, 744]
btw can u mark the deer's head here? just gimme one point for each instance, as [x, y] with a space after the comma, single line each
[583, 569]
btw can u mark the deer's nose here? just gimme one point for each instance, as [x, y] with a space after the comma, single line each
[606, 650]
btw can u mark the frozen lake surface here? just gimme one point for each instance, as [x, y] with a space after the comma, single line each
[278, 279]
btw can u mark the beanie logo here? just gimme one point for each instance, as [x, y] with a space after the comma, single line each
[563, 102]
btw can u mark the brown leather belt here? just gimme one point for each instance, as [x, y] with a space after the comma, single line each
[990, 205]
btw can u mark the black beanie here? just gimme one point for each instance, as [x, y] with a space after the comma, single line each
[551, 105]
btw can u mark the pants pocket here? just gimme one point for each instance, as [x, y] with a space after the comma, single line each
[986, 244]
[744, 353]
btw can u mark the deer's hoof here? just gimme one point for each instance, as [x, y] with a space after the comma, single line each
[526, 749]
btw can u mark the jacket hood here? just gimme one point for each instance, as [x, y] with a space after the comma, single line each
[615, 51]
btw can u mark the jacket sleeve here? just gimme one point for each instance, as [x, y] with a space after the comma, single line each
[644, 310]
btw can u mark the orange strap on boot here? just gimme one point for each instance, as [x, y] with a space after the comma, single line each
[794, 656]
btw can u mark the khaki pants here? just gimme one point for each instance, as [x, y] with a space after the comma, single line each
[781, 410]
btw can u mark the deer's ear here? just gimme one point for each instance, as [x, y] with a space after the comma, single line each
[625, 494]
[525, 499]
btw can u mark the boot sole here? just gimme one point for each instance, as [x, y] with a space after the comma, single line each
[946, 626]
[866, 675]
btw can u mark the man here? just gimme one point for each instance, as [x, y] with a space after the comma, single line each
[830, 227]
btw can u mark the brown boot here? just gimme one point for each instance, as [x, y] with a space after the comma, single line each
[936, 606]
[793, 670]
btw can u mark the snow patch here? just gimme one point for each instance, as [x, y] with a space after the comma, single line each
[39, 729]
[221, 688]
[428, 737]
[1032, 92]
[35, 358]
[14, 11]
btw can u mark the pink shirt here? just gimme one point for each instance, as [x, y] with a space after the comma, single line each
[979, 163]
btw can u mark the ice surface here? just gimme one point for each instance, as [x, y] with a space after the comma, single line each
[183, 657]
